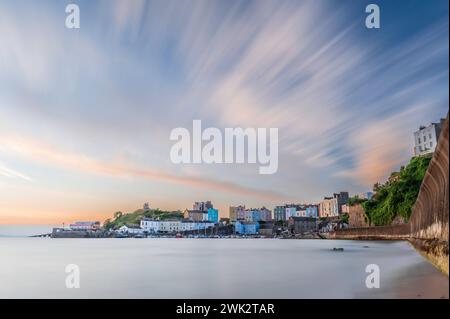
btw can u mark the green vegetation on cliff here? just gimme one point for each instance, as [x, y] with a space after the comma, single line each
[134, 218]
[397, 196]
[344, 218]
[352, 201]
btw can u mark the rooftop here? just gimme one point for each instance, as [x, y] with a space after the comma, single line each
[85, 223]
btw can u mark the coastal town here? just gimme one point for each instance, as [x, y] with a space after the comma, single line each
[304, 220]
[289, 220]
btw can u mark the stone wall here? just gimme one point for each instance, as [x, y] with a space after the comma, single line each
[429, 219]
[395, 232]
[356, 217]
[62, 233]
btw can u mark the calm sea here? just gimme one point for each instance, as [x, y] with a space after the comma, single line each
[214, 268]
[24, 230]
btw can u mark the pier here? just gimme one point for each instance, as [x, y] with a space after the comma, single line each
[43, 235]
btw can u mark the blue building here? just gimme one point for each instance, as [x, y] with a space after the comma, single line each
[213, 215]
[246, 228]
[312, 211]
[256, 216]
[280, 213]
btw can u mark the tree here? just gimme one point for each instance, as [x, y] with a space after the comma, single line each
[107, 224]
[345, 218]
[376, 187]
[397, 196]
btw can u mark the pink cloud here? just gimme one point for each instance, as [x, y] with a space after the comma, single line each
[50, 155]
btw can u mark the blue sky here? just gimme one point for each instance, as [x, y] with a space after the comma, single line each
[86, 114]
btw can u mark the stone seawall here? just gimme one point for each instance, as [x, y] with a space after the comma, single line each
[427, 228]
[356, 217]
[429, 219]
[396, 232]
[60, 233]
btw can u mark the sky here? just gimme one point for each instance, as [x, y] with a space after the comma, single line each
[86, 114]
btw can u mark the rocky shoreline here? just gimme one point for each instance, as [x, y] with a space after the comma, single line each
[434, 251]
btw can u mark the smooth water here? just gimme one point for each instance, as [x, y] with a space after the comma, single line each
[24, 230]
[214, 268]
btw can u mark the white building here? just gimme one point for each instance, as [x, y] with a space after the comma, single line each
[150, 225]
[425, 139]
[329, 207]
[160, 226]
[192, 225]
[85, 226]
[172, 226]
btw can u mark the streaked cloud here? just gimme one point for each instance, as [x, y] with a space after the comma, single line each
[102, 100]
[380, 148]
[11, 173]
[44, 153]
